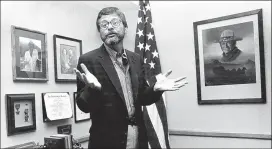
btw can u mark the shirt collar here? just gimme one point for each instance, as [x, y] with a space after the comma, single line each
[113, 53]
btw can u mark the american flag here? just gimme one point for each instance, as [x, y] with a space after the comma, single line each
[145, 44]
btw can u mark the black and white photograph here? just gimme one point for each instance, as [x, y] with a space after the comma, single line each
[230, 58]
[137, 74]
[66, 53]
[29, 55]
[68, 58]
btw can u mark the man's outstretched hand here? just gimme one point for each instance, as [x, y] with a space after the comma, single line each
[87, 77]
[165, 84]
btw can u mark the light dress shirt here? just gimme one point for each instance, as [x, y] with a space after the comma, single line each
[125, 81]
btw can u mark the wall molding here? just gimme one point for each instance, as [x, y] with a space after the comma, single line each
[203, 134]
[219, 134]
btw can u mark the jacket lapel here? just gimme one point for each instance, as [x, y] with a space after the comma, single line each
[107, 64]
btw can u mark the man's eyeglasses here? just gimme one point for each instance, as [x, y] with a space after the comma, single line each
[114, 23]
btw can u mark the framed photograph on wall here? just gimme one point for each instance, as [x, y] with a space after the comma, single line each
[80, 115]
[29, 54]
[67, 52]
[229, 54]
[21, 115]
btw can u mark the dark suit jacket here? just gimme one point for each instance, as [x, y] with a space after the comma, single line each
[107, 106]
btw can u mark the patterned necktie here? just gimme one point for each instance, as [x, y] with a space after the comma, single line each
[124, 57]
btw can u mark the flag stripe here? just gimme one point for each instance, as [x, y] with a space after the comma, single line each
[152, 136]
[163, 115]
[157, 123]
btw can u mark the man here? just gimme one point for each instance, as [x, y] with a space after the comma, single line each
[111, 86]
[228, 45]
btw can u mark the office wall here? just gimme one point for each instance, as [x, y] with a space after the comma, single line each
[71, 19]
[173, 23]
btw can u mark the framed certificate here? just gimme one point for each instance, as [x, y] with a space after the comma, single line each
[56, 106]
[80, 115]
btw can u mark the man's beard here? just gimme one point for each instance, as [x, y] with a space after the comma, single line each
[113, 40]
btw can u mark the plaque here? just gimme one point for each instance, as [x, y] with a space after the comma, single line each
[56, 106]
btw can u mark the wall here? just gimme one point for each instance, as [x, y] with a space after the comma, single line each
[71, 19]
[173, 23]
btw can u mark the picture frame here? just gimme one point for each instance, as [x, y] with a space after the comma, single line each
[21, 115]
[80, 115]
[66, 54]
[229, 55]
[56, 106]
[29, 55]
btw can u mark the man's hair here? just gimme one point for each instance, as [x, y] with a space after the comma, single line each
[31, 44]
[108, 11]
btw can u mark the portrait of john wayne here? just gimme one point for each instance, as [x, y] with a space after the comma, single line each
[229, 56]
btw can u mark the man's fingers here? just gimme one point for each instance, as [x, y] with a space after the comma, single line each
[84, 68]
[179, 79]
[168, 73]
[84, 78]
[179, 85]
[86, 81]
[78, 73]
[173, 89]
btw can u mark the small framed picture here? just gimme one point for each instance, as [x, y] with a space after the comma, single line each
[230, 59]
[80, 115]
[21, 115]
[56, 106]
[29, 54]
[67, 52]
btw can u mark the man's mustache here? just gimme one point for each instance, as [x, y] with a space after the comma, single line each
[111, 33]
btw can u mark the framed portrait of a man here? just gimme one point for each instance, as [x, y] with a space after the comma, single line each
[29, 54]
[67, 52]
[230, 59]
